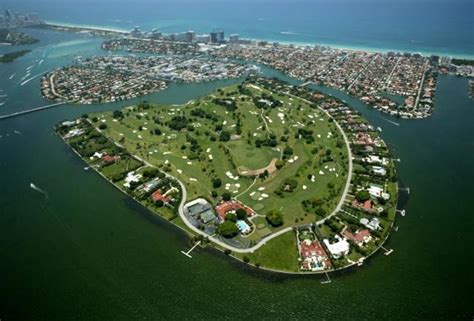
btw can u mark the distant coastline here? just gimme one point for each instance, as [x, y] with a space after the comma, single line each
[286, 42]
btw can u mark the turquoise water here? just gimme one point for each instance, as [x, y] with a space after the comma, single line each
[86, 252]
[429, 26]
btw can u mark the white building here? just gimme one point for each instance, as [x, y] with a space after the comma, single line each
[338, 249]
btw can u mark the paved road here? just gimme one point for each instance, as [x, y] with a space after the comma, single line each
[273, 235]
[282, 231]
[349, 176]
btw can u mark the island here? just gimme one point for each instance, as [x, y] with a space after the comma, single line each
[12, 56]
[278, 176]
[11, 37]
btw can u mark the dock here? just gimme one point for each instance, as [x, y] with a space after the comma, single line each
[190, 250]
[402, 212]
[387, 252]
[328, 280]
[28, 111]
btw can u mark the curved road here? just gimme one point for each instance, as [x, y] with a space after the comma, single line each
[280, 232]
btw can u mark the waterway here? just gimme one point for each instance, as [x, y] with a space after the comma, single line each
[84, 251]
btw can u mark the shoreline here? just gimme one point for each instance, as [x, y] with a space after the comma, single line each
[218, 245]
[337, 46]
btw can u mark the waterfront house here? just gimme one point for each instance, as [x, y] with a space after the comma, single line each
[339, 248]
[361, 237]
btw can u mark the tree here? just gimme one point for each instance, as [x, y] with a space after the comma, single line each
[231, 217]
[246, 259]
[362, 196]
[279, 164]
[178, 122]
[228, 229]
[118, 114]
[275, 218]
[102, 126]
[320, 212]
[159, 203]
[241, 214]
[226, 196]
[157, 131]
[224, 136]
[216, 183]
[288, 151]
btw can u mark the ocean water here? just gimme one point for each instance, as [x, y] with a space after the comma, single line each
[86, 252]
[427, 26]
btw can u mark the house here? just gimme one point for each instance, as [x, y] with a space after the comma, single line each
[365, 206]
[361, 237]
[373, 224]
[158, 196]
[131, 177]
[108, 159]
[378, 170]
[339, 248]
[377, 191]
[230, 207]
[313, 256]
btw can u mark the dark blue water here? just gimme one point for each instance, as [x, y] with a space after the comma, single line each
[428, 26]
[87, 253]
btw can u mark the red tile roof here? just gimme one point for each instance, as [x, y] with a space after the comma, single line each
[313, 248]
[359, 237]
[225, 207]
[110, 158]
[157, 196]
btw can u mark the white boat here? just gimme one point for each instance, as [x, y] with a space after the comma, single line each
[11, 76]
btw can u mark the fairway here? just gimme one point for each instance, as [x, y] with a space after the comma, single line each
[269, 150]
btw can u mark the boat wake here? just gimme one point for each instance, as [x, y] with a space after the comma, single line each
[36, 188]
[391, 121]
[30, 79]
[288, 33]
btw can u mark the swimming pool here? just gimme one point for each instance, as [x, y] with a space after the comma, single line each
[243, 226]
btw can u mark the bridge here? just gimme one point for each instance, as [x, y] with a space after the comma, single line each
[28, 111]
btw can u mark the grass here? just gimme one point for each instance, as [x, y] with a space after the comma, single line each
[247, 156]
[197, 156]
[280, 253]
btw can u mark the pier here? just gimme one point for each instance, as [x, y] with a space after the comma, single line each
[387, 252]
[187, 253]
[28, 111]
[328, 280]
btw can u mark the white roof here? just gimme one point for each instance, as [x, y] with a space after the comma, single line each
[338, 248]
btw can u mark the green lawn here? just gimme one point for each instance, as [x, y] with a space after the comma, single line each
[197, 156]
[280, 253]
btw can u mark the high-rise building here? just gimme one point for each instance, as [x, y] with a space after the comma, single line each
[190, 36]
[206, 38]
[217, 36]
[234, 38]
[33, 18]
[156, 34]
[136, 32]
